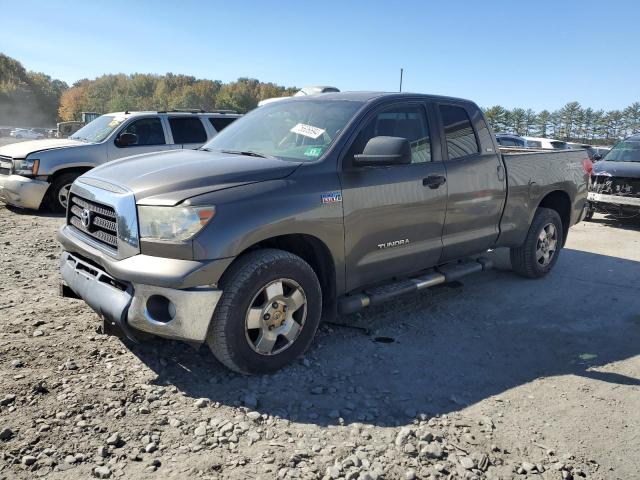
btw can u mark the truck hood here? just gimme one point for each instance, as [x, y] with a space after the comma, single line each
[22, 149]
[168, 178]
[617, 169]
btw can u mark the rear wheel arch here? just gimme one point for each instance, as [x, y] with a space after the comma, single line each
[560, 201]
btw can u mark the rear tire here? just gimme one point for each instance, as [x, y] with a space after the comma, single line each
[539, 253]
[59, 192]
[268, 314]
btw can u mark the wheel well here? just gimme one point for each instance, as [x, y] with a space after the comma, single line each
[317, 255]
[63, 171]
[561, 203]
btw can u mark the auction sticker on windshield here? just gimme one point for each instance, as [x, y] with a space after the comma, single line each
[307, 130]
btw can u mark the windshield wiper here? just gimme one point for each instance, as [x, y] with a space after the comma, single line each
[248, 153]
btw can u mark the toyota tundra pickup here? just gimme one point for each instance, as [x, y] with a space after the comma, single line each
[304, 209]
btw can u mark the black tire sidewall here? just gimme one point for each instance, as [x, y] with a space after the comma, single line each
[56, 185]
[238, 347]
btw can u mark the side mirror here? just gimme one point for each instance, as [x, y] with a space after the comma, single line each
[597, 156]
[381, 151]
[126, 139]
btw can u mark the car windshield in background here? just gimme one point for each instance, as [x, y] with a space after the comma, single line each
[625, 151]
[292, 130]
[98, 130]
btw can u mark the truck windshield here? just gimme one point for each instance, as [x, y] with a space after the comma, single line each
[99, 129]
[625, 151]
[300, 130]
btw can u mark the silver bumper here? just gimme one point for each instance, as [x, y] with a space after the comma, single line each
[166, 312]
[22, 191]
[614, 199]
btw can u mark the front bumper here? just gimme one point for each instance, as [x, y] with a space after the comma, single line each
[182, 314]
[22, 191]
[614, 199]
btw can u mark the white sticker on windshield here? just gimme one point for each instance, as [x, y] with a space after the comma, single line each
[307, 130]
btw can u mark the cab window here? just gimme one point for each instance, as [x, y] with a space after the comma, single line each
[461, 139]
[406, 121]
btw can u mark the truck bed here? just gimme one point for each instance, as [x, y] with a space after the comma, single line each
[532, 176]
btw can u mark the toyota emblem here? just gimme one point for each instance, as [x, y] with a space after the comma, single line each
[86, 218]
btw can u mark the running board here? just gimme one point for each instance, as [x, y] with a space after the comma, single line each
[384, 293]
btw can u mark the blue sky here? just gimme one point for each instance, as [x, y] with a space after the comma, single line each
[538, 54]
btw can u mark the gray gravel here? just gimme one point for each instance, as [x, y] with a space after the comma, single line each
[497, 377]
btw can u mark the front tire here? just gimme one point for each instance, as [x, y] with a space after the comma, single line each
[59, 192]
[268, 314]
[539, 253]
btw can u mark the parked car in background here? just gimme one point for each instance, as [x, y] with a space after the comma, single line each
[41, 172]
[510, 140]
[305, 208]
[615, 181]
[25, 133]
[545, 143]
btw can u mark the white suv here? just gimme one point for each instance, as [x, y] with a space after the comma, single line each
[40, 172]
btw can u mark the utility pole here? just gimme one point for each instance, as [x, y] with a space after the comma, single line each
[401, 70]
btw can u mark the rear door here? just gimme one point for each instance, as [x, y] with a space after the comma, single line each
[475, 179]
[188, 131]
[151, 137]
[393, 217]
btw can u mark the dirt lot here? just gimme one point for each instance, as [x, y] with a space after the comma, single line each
[497, 377]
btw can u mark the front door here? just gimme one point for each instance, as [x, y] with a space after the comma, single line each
[150, 137]
[393, 215]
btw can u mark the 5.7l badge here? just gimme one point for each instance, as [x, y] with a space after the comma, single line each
[331, 197]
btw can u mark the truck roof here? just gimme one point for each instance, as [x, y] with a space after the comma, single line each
[370, 96]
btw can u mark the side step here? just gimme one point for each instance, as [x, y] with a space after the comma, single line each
[384, 293]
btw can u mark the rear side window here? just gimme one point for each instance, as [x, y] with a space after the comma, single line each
[559, 145]
[534, 144]
[406, 121]
[219, 123]
[148, 131]
[506, 142]
[187, 130]
[461, 141]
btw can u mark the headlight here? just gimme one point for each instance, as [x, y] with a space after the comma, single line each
[173, 223]
[26, 167]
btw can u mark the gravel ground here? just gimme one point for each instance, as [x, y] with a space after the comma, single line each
[495, 377]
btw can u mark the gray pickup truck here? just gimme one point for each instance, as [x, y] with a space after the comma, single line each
[306, 208]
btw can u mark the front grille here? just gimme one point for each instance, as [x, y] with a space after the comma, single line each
[5, 165]
[94, 219]
[623, 186]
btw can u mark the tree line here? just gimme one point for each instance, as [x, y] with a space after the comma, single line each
[140, 91]
[572, 123]
[27, 98]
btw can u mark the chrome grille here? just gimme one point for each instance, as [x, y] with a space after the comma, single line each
[94, 219]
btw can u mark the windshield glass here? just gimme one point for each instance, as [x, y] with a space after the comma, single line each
[291, 130]
[625, 151]
[99, 129]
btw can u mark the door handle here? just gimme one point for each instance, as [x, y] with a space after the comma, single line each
[434, 181]
[500, 173]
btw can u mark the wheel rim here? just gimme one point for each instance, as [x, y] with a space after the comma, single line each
[275, 317]
[547, 244]
[63, 195]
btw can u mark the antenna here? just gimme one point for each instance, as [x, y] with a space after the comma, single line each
[401, 70]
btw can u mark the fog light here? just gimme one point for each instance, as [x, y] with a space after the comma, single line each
[160, 309]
